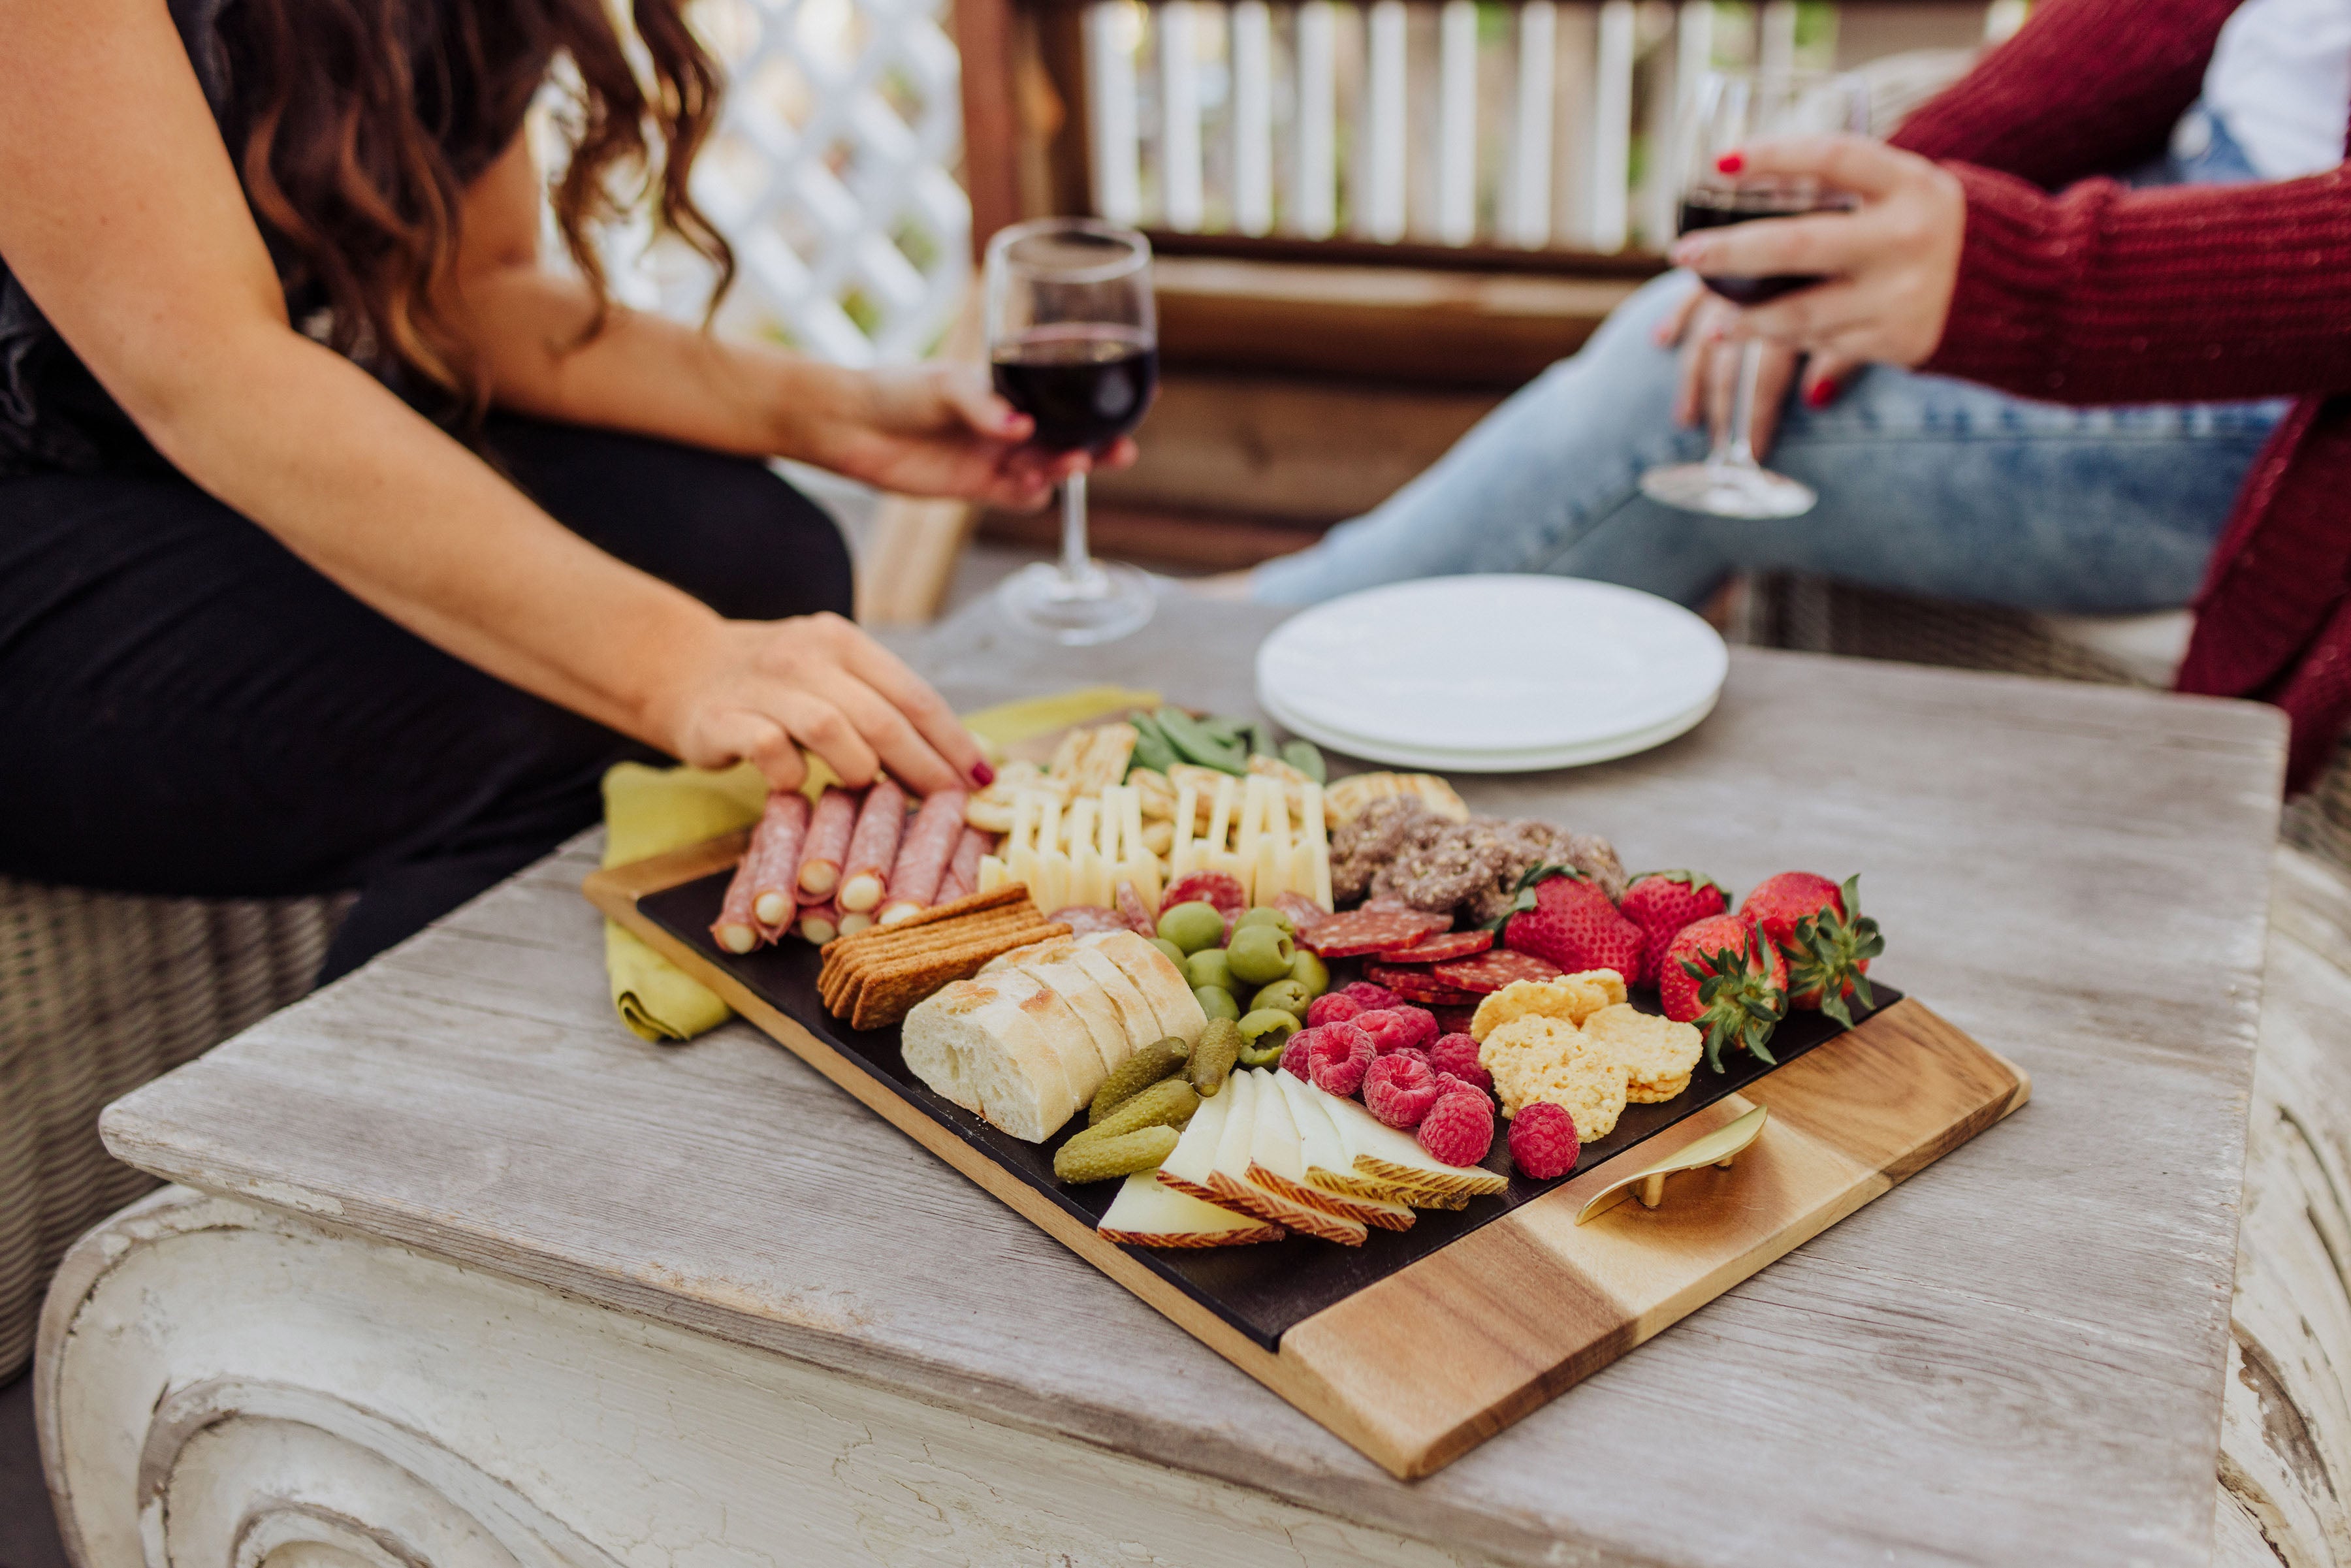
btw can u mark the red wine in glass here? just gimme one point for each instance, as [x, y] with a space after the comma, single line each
[1708, 207]
[1084, 383]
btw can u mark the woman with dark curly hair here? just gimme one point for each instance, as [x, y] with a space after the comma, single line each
[342, 544]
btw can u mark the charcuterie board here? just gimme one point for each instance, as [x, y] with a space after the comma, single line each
[1420, 1345]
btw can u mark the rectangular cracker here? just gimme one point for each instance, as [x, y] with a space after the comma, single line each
[886, 994]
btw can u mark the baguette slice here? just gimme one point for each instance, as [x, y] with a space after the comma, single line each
[1063, 1030]
[1319, 1150]
[1105, 1030]
[1260, 1126]
[1036, 951]
[1161, 983]
[1134, 1014]
[974, 1042]
[1148, 1212]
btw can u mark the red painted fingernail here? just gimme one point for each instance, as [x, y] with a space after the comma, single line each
[1729, 164]
[1821, 394]
[982, 774]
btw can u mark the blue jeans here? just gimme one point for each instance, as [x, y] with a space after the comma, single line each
[1927, 485]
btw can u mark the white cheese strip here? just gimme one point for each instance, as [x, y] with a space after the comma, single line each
[1180, 849]
[1149, 1213]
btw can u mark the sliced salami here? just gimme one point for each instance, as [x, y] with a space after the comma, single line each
[1419, 986]
[1303, 912]
[1358, 932]
[924, 852]
[1438, 949]
[827, 844]
[1131, 910]
[1453, 1021]
[873, 848]
[963, 870]
[1215, 887]
[1492, 971]
[1089, 919]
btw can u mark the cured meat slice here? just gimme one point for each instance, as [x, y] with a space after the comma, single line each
[1438, 949]
[1088, 919]
[827, 844]
[819, 922]
[1454, 1019]
[1131, 910]
[922, 856]
[963, 867]
[1303, 912]
[1420, 986]
[873, 848]
[1215, 887]
[1492, 971]
[1358, 932]
[760, 907]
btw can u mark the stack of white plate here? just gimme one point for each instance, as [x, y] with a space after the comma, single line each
[1492, 674]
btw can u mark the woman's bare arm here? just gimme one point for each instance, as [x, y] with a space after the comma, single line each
[124, 221]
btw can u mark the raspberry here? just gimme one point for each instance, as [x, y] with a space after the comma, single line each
[1418, 1055]
[1333, 1009]
[1422, 1022]
[1542, 1140]
[1458, 1054]
[1448, 1085]
[1459, 1128]
[1389, 1028]
[1369, 996]
[1338, 1058]
[1294, 1060]
[1399, 1089]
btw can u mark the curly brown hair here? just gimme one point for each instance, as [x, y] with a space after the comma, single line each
[358, 123]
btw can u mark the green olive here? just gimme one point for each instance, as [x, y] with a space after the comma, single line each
[1260, 954]
[1175, 954]
[1310, 971]
[1266, 914]
[1209, 967]
[1263, 1034]
[1192, 926]
[1217, 1002]
[1286, 994]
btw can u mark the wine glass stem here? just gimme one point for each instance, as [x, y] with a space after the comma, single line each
[1075, 564]
[1742, 405]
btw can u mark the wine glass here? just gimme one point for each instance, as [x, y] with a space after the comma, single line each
[1072, 336]
[1728, 110]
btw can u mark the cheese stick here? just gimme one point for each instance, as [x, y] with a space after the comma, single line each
[819, 922]
[873, 846]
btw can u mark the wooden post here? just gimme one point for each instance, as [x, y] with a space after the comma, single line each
[991, 128]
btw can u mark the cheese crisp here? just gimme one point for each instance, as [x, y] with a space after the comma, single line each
[1657, 1052]
[1534, 1057]
[1570, 999]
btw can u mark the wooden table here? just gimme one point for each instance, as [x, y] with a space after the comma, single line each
[476, 1267]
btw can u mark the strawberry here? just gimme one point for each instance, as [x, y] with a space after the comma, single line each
[1828, 963]
[1562, 915]
[1720, 975]
[1662, 901]
[1777, 903]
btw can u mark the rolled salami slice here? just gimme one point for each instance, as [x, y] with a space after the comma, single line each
[819, 922]
[827, 844]
[1358, 932]
[773, 861]
[1088, 919]
[1492, 971]
[1419, 986]
[963, 867]
[1218, 888]
[1438, 949]
[737, 929]
[1131, 910]
[873, 847]
[922, 856]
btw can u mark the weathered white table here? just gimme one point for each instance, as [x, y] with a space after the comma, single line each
[461, 1273]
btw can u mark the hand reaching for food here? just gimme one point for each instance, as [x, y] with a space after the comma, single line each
[758, 690]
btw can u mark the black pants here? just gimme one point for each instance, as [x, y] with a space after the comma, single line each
[187, 708]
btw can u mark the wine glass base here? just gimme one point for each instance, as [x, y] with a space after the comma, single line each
[1728, 490]
[1103, 603]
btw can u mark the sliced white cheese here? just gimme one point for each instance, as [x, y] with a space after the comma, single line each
[1382, 1153]
[1260, 1142]
[1321, 1154]
[1149, 1213]
[1194, 1159]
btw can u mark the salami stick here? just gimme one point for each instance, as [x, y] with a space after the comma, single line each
[774, 860]
[963, 867]
[922, 855]
[737, 929]
[873, 846]
[827, 844]
[819, 922]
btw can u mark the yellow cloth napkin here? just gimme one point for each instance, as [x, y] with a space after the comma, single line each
[651, 810]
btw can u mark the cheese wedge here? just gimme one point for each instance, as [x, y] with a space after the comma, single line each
[1189, 1165]
[1259, 1134]
[1319, 1150]
[1161, 983]
[1384, 1154]
[1149, 1213]
[983, 1044]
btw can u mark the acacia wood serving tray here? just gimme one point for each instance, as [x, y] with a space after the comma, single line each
[1421, 1344]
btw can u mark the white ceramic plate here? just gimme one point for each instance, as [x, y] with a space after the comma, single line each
[1493, 761]
[1501, 666]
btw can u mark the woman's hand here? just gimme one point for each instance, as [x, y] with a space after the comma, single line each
[1892, 264]
[758, 690]
[1703, 325]
[940, 430]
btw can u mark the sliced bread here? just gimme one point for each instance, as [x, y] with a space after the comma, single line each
[1161, 983]
[976, 1042]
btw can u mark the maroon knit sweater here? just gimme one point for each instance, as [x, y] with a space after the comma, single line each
[2100, 294]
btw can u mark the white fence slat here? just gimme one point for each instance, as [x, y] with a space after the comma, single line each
[1314, 204]
[1252, 101]
[1457, 122]
[1113, 29]
[1179, 114]
[1382, 203]
[1611, 127]
[1526, 214]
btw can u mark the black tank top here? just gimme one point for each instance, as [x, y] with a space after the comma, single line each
[54, 415]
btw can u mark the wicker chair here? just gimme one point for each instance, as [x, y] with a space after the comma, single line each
[98, 993]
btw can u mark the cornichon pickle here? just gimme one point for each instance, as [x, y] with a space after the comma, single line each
[1088, 1158]
[1167, 1103]
[1213, 1057]
[1137, 1074]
